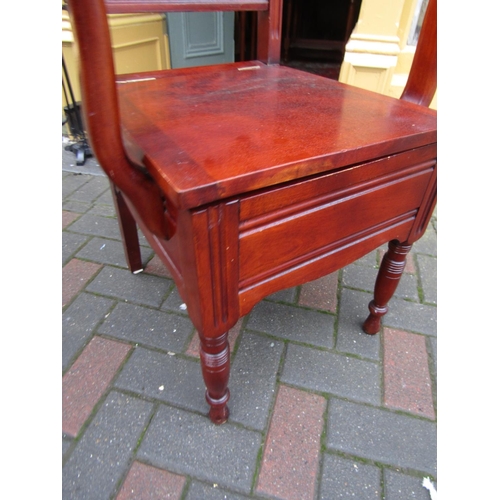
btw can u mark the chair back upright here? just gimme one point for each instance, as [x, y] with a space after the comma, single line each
[422, 80]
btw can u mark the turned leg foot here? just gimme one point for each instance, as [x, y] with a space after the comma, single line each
[388, 278]
[128, 229]
[214, 355]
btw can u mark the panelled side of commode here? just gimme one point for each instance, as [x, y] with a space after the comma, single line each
[303, 230]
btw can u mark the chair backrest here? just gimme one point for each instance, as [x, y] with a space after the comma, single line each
[422, 80]
[100, 101]
[268, 19]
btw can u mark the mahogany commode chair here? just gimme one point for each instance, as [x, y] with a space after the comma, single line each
[248, 178]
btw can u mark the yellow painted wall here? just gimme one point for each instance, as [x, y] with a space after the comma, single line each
[139, 41]
[378, 56]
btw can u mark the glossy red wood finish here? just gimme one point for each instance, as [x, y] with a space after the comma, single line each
[128, 230]
[266, 177]
[388, 278]
[127, 6]
[422, 80]
[255, 127]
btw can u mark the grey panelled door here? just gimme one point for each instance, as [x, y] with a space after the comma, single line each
[200, 38]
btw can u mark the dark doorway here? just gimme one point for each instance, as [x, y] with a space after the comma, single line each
[314, 35]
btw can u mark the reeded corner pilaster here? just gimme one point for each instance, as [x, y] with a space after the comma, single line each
[211, 279]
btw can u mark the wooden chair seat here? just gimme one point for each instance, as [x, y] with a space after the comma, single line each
[220, 131]
[249, 178]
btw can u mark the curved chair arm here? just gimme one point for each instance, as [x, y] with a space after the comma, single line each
[100, 103]
[422, 80]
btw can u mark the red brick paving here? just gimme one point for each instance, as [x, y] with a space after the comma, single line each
[407, 383]
[68, 218]
[156, 266]
[144, 482]
[87, 380]
[194, 346]
[290, 463]
[410, 264]
[320, 293]
[75, 275]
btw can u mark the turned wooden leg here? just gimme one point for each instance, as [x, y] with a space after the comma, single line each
[128, 229]
[388, 278]
[214, 354]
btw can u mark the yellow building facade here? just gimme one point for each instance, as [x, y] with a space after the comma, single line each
[380, 51]
[139, 41]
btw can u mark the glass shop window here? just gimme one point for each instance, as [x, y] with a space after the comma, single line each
[418, 18]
